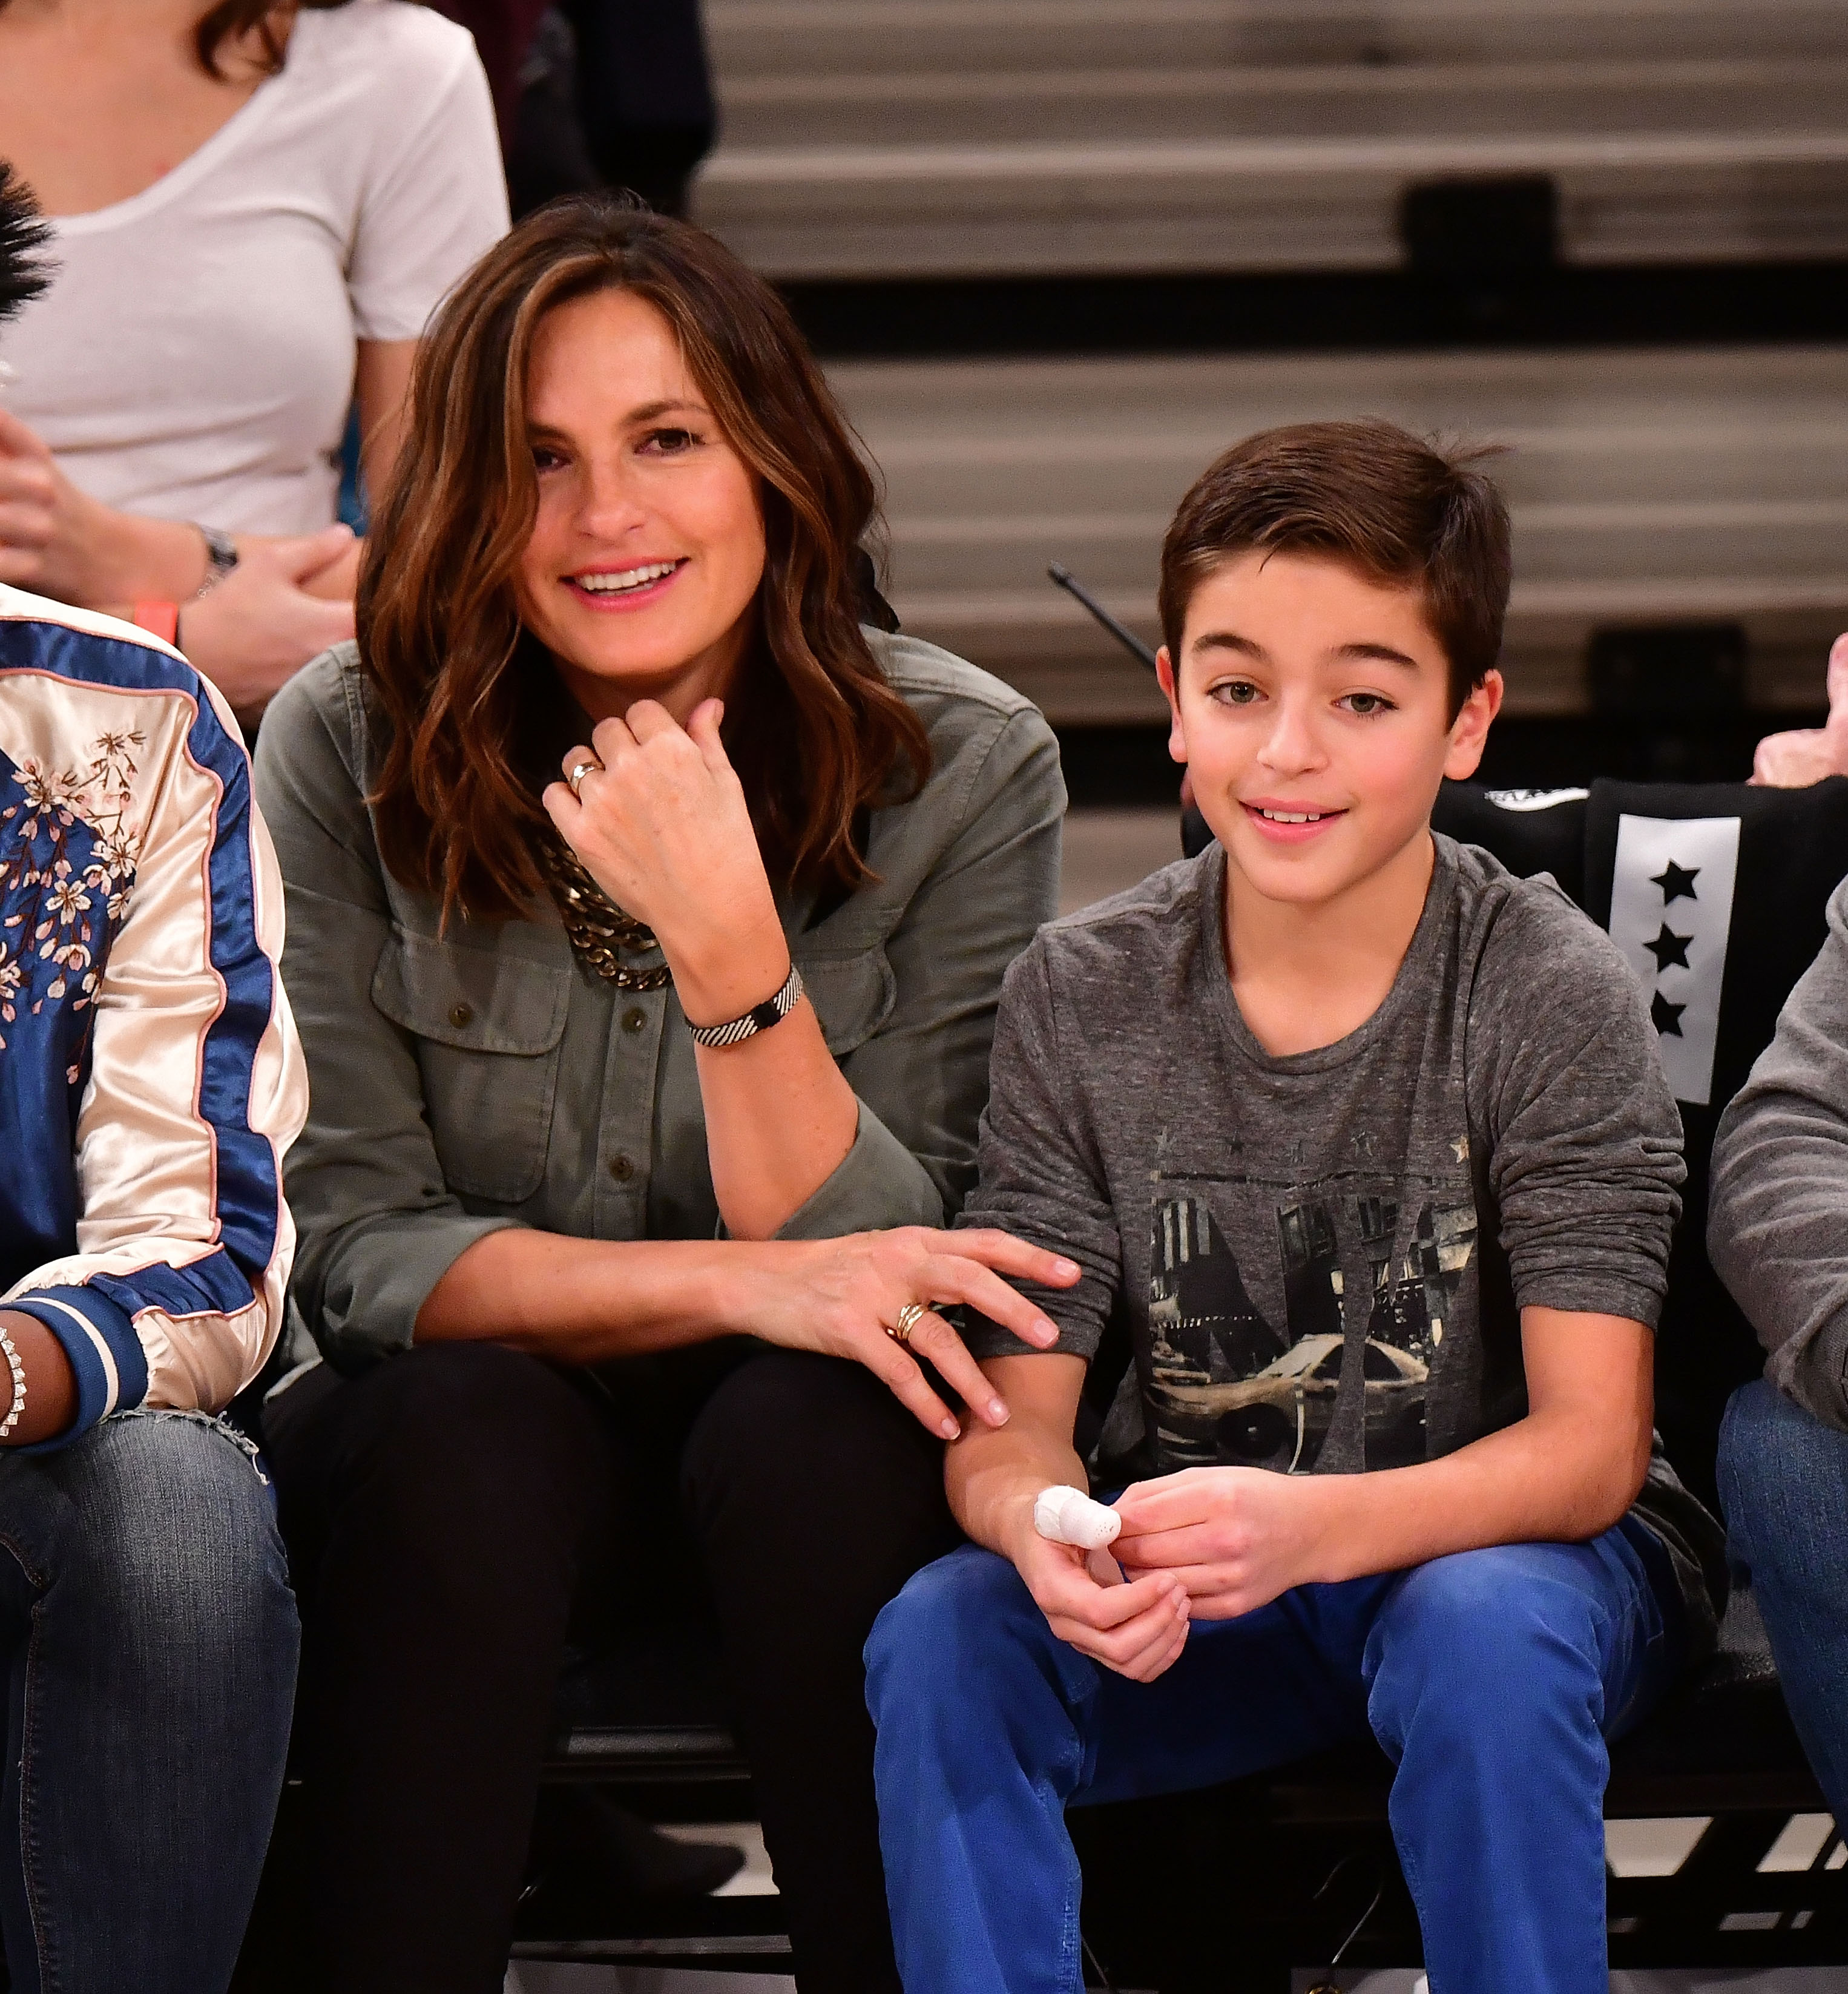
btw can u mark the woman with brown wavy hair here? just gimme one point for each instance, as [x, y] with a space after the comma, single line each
[647, 915]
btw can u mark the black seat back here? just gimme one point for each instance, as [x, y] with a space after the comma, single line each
[1717, 894]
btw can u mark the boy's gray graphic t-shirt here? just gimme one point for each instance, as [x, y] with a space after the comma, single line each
[1319, 1259]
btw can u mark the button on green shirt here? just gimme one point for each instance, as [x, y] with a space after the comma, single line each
[480, 1079]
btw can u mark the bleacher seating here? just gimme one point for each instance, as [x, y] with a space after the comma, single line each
[868, 142]
[1647, 487]
[903, 137]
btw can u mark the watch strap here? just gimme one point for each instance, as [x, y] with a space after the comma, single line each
[759, 1018]
[221, 555]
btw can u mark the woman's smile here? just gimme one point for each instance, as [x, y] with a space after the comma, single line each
[633, 587]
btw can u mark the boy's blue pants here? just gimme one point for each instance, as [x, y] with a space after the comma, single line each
[1492, 1679]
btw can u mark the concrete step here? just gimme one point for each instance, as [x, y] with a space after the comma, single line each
[905, 138]
[849, 38]
[1451, 99]
[1254, 205]
[1683, 541]
[1645, 486]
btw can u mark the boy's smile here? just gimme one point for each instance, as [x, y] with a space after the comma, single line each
[1313, 712]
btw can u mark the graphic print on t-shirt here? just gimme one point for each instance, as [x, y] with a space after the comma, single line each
[1230, 1388]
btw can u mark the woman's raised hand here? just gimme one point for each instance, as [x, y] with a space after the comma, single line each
[842, 1297]
[661, 824]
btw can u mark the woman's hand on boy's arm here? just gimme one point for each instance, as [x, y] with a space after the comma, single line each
[993, 1475]
[1237, 1537]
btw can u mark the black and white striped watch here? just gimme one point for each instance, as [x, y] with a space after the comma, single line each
[759, 1018]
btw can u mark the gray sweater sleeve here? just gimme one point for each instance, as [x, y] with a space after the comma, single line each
[1042, 1176]
[1778, 1218]
[1586, 1140]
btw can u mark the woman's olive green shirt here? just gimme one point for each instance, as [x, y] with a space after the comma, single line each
[480, 1079]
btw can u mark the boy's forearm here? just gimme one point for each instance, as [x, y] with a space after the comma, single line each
[1537, 1482]
[993, 1476]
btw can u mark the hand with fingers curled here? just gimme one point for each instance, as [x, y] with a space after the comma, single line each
[850, 1297]
[1806, 755]
[1234, 1538]
[35, 502]
[280, 606]
[287, 600]
[657, 814]
[1136, 1625]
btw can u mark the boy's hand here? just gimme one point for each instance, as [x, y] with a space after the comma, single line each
[1136, 1629]
[1234, 1537]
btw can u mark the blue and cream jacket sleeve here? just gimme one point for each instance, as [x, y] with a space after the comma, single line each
[150, 1078]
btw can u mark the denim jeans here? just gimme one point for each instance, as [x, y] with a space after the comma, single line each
[149, 1638]
[1492, 1679]
[1784, 1485]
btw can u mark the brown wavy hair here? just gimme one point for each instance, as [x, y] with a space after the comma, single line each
[227, 20]
[816, 734]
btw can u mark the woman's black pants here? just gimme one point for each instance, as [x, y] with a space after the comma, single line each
[455, 1513]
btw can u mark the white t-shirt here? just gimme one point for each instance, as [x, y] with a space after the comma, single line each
[193, 359]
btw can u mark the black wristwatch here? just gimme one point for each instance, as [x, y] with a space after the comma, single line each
[759, 1018]
[221, 556]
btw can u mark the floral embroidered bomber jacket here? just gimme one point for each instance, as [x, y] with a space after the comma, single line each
[150, 1078]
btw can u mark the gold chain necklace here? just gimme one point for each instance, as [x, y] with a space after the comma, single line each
[597, 928]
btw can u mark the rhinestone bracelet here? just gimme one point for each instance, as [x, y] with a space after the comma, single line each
[10, 1352]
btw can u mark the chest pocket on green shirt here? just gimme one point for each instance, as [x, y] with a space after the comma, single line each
[853, 994]
[488, 1029]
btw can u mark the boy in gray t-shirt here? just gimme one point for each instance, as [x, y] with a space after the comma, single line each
[1365, 1144]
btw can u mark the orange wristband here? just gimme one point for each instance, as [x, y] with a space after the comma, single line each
[162, 618]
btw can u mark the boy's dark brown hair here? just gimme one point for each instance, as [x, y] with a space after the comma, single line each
[1395, 509]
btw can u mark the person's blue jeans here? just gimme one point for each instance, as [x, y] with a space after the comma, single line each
[1784, 1486]
[148, 1636]
[1493, 1679]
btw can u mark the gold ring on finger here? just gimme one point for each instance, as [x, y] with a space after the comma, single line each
[575, 781]
[909, 1317]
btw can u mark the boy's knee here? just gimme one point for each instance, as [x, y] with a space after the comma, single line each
[1486, 1646]
[942, 1633]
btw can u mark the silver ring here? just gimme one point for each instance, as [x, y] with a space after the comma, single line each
[575, 781]
[909, 1317]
